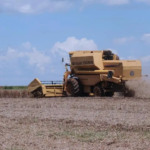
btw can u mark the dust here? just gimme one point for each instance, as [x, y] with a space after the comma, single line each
[141, 87]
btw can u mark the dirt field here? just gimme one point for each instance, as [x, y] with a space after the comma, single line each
[75, 124]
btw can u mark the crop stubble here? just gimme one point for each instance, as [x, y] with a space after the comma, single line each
[74, 124]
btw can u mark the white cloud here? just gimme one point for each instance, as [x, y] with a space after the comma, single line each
[38, 59]
[146, 59]
[143, 1]
[40, 6]
[146, 38]
[34, 6]
[116, 2]
[123, 40]
[30, 54]
[34, 58]
[27, 45]
[73, 44]
[10, 55]
[108, 2]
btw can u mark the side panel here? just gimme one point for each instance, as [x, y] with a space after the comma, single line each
[125, 69]
[114, 65]
[87, 89]
[131, 70]
[89, 80]
[54, 90]
[86, 61]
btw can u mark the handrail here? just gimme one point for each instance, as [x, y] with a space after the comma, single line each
[52, 82]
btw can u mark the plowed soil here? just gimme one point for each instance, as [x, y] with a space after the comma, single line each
[75, 124]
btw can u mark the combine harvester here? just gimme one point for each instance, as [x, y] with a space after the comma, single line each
[98, 73]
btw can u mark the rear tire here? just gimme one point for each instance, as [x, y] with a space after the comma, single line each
[109, 94]
[98, 91]
[73, 87]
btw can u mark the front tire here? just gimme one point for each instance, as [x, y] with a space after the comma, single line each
[73, 87]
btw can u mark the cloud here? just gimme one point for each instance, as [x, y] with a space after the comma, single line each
[108, 2]
[34, 6]
[115, 2]
[146, 59]
[30, 55]
[146, 38]
[123, 40]
[73, 44]
[27, 45]
[144, 1]
[10, 54]
[38, 59]
[41, 6]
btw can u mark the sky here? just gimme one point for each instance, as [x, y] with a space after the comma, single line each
[36, 34]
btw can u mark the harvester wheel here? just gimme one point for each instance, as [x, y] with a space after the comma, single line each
[98, 91]
[109, 94]
[73, 87]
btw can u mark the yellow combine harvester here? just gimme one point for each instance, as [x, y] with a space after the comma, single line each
[98, 73]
